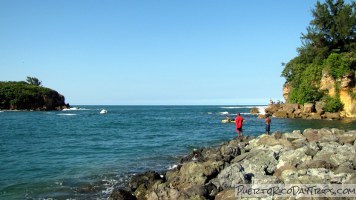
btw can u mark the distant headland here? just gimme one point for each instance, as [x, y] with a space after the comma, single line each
[29, 95]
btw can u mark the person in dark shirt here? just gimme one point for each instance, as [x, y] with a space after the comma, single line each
[268, 124]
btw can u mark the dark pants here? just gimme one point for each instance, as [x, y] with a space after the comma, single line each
[268, 127]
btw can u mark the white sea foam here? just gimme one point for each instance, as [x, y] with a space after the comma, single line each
[245, 114]
[223, 113]
[69, 114]
[172, 167]
[74, 109]
[109, 186]
[103, 111]
[261, 109]
[236, 107]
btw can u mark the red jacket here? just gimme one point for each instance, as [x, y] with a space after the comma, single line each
[239, 120]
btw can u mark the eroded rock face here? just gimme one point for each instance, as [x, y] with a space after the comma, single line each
[312, 156]
[328, 83]
[348, 85]
[349, 109]
[348, 81]
[286, 91]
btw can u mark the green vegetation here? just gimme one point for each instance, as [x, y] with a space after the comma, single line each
[33, 81]
[339, 64]
[333, 104]
[329, 45]
[22, 95]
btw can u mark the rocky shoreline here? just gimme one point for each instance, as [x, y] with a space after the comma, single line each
[306, 111]
[313, 156]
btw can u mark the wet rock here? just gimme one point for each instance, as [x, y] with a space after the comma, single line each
[315, 164]
[312, 135]
[163, 191]
[316, 156]
[212, 154]
[280, 114]
[196, 173]
[293, 136]
[230, 177]
[293, 157]
[230, 150]
[228, 194]
[319, 107]
[290, 176]
[272, 108]
[144, 180]
[332, 116]
[309, 108]
[254, 110]
[196, 191]
[347, 138]
[264, 179]
[277, 135]
[121, 194]
[290, 108]
[196, 155]
[346, 167]
[280, 169]
[327, 135]
[335, 153]
[314, 116]
[321, 175]
[351, 179]
[263, 162]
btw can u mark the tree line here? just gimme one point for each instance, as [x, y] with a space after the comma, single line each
[329, 45]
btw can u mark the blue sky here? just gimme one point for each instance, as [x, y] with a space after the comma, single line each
[153, 52]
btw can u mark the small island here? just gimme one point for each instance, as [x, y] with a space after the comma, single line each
[29, 95]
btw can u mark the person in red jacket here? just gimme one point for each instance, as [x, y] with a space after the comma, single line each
[239, 121]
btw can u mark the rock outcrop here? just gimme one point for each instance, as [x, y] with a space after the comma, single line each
[344, 87]
[313, 156]
[24, 96]
[306, 111]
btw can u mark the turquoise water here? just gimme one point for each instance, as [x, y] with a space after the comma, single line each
[82, 154]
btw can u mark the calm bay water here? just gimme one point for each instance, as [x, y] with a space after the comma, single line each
[82, 154]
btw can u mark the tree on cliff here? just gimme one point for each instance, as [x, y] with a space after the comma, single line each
[33, 81]
[329, 44]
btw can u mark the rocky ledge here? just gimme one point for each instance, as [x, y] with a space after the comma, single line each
[308, 157]
[306, 111]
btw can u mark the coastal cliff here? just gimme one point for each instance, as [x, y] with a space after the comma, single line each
[25, 96]
[343, 88]
[325, 156]
[322, 75]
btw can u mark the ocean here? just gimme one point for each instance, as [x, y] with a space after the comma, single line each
[82, 154]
